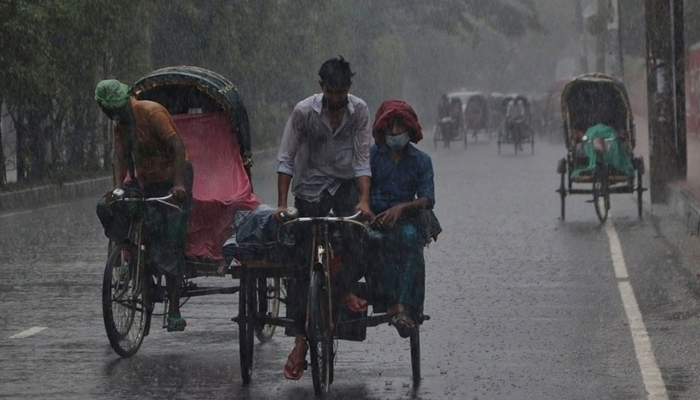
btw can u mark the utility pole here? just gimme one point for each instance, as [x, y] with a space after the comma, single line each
[666, 95]
[679, 93]
[614, 46]
[581, 33]
[600, 40]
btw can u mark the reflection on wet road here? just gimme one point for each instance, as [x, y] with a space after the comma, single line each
[523, 306]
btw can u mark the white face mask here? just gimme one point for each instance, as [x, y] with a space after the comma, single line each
[398, 141]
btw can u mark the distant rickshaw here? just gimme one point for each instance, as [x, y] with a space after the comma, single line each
[600, 138]
[475, 110]
[497, 112]
[517, 127]
[450, 126]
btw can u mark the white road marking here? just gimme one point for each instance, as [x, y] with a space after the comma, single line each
[616, 251]
[29, 332]
[651, 375]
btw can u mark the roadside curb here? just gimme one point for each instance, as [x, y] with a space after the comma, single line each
[54, 194]
[686, 207]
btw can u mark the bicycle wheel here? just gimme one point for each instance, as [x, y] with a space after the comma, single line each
[415, 355]
[319, 333]
[268, 304]
[246, 326]
[601, 194]
[126, 315]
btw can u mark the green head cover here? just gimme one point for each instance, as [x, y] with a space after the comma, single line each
[111, 94]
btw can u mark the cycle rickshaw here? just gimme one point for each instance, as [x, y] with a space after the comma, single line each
[213, 124]
[497, 112]
[599, 101]
[451, 124]
[517, 128]
[475, 110]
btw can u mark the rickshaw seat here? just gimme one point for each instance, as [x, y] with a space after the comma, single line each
[221, 184]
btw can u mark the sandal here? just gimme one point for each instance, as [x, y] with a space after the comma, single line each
[293, 370]
[176, 323]
[403, 324]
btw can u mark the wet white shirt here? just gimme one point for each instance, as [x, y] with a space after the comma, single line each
[319, 158]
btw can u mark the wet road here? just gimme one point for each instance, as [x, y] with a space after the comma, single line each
[523, 306]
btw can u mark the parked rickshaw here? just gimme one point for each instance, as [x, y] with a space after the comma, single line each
[517, 126]
[600, 138]
[213, 123]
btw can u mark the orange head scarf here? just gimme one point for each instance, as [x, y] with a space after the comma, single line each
[387, 112]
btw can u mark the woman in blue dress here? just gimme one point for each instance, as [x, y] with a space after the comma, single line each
[402, 186]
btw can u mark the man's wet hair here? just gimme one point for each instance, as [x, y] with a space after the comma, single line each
[336, 73]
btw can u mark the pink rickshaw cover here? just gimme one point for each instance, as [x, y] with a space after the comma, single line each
[221, 185]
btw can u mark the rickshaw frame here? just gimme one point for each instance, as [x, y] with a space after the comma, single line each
[608, 181]
[507, 137]
[259, 280]
[223, 93]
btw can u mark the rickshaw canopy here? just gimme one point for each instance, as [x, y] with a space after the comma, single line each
[160, 86]
[595, 98]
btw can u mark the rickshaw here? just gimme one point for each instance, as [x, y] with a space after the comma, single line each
[213, 123]
[588, 103]
[497, 112]
[475, 108]
[517, 130]
[450, 126]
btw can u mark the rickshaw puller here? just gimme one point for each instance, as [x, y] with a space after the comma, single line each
[325, 148]
[147, 143]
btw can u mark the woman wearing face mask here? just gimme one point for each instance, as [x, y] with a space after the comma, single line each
[402, 184]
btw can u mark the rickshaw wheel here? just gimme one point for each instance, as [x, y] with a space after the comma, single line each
[319, 333]
[601, 194]
[561, 169]
[415, 355]
[268, 304]
[124, 309]
[246, 326]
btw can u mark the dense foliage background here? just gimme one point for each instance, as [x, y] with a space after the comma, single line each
[52, 53]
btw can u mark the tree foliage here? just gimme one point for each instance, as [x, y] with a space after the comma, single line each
[52, 52]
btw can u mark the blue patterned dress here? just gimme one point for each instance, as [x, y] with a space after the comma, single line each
[395, 256]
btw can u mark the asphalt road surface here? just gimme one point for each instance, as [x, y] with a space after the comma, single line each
[523, 305]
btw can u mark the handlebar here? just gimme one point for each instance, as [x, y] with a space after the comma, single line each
[291, 217]
[118, 193]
